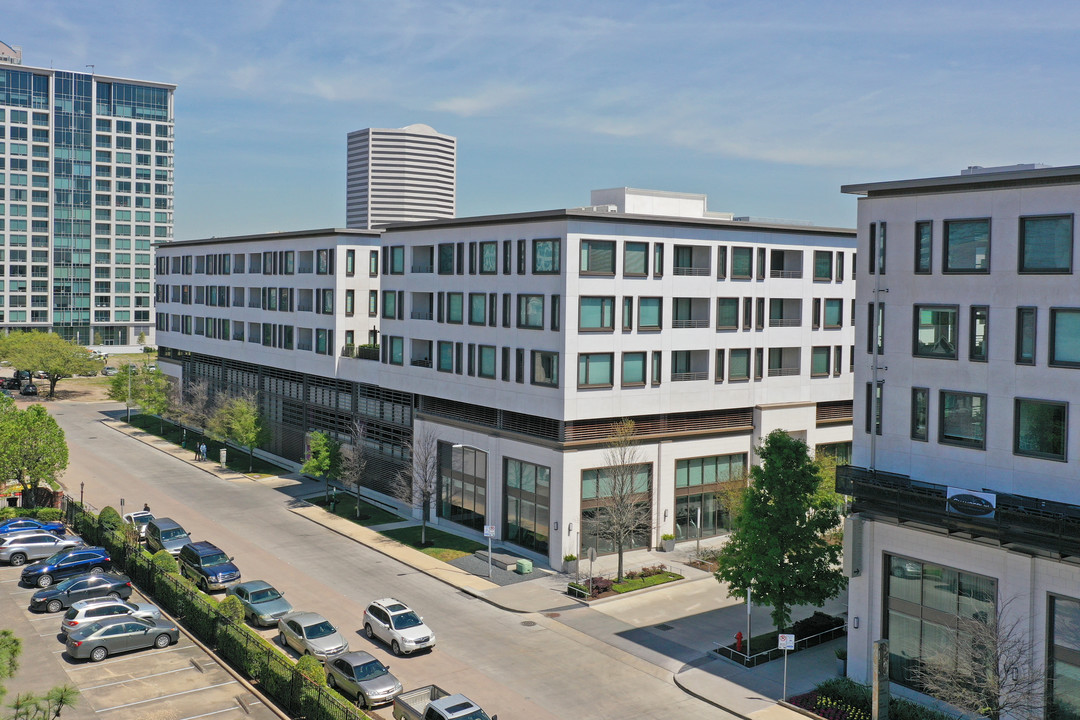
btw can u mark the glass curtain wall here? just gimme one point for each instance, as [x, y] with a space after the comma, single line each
[527, 502]
[462, 485]
[700, 488]
[596, 498]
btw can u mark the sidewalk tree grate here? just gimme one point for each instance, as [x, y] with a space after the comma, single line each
[664, 626]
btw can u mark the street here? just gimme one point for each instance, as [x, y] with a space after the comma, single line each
[523, 667]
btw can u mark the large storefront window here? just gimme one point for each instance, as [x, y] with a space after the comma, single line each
[462, 485]
[1063, 673]
[701, 487]
[926, 605]
[527, 498]
[596, 499]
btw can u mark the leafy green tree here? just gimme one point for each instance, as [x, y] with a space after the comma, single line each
[239, 421]
[324, 458]
[56, 357]
[109, 518]
[778, 546]
[34, 449]
[28, 706]
[156, 397]
[197, 405]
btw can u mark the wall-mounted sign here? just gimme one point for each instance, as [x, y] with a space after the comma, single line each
[971, 503]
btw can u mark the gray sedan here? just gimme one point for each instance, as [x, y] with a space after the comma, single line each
[18, 548]
[309, 633]
[263, 604]
[102, 638]
[359, 674]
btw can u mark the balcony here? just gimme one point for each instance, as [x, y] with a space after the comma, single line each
[688, 376]
[786, 264]
[691, 270]
[417, 315]
[688, 365]
[1021, 523]
[785, 322]
[785, 312]
[784, 362]
[420, 362]
[422, 268]
[690, 313]
[694, 260]
[783, 371]
[361, 352]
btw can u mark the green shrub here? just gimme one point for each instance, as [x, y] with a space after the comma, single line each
[6, 513]
[165, 562]
[310, 667]
[232, 609]
[48, 514]
[109, 518]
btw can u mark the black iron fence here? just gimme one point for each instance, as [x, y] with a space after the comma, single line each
[275, 674]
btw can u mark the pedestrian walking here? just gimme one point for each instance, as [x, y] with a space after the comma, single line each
[202, 451]
[146, 507]
[196, 451]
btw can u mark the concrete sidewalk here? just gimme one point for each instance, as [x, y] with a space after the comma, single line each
[671, 628]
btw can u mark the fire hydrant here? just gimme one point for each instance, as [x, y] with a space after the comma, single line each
[738, 642]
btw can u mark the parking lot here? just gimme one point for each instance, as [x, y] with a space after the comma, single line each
[180, 682]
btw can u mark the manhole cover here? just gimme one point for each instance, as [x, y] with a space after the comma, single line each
[551, 615]
[528, 623]
[664, 626]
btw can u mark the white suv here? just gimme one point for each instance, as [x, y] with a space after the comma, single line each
[87, 611]
[398, 626]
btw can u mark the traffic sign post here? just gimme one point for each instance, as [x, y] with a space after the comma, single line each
[489, 532]
[785, 643]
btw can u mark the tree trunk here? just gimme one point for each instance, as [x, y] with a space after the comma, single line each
[52, 386]
[423, 530]
[251, 458]
[619, 547]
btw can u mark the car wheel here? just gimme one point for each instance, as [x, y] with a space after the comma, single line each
[18, 559]
[98, 654]
[54, 606]
[368, 631]
[331, 682]
[281, 640]
[202, 585]
[395, 648]
[362, 701]
[97, 570]
[114, 595]
[162, 641]
[44, 581]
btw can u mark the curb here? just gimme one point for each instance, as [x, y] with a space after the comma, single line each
[116, 425]
[702, 698]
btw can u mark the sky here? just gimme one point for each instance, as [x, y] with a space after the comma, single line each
[766, 107]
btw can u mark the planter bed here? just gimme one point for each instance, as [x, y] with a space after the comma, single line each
[633, 581]
[844, 699]
[817, 629]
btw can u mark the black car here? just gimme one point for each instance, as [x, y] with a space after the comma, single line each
[11, 383]
[81, 587]
[66, 563]
[30, 389]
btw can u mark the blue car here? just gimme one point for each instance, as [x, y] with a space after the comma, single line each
[66, 563]
[14, 524]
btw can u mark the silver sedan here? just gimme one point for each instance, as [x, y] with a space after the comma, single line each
[359, 674]
[309, 633]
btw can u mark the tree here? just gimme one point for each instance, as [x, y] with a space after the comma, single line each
[239, 421]
[417, 484]
[56, 357]
[142, 338]
[34, 449]
[778, 546]
[324, 458]
[622, 486]
[989, 669]
[156, 396]
[354, 460]
[197, 405]
[28, 706]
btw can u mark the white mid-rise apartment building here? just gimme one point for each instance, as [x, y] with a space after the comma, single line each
[86, 186]
[964, 475]
[518, 340]
[399, 175]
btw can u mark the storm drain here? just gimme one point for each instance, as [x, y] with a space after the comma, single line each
[664, 626]
[528, 623]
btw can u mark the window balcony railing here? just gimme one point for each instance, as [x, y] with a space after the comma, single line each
[785, 273]
[421, 362]
[785, 322]
[687, 376]
[305, 268]
[361, 352]
[783, 371]
[690, 323]
[415, 315]
[422, 268]
[697, 271]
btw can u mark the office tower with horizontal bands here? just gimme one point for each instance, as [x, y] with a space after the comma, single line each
[401, 175]
[86, 185]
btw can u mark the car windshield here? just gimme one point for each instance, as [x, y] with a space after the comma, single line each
[265, 595]
[319, 630]
[72, 612]
[172, 534]
[406, 620]
[369, 670]
[68, 583]
[477, 714]
[54, 558]
[141, 518]
[215, 559]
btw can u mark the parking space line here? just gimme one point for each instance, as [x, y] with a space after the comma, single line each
[216, 712]
[165, 697]
[133, 679]
[121, 659]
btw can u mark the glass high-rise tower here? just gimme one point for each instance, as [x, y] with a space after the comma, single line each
[86, 188]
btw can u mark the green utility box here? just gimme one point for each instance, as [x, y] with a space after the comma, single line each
[524, 567]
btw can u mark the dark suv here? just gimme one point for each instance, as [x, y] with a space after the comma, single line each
[66, 563]
[207, 566]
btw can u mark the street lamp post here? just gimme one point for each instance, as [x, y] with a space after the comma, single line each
[82, 487]
[128, 403]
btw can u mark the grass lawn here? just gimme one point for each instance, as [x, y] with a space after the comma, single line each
[236, 460]
[639, 583]
[447, 547]
[369, 514]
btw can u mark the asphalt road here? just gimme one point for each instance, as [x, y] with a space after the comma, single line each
[523, 667]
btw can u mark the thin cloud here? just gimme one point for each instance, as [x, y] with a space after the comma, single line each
[484, 101]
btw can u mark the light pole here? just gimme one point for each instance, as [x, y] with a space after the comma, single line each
[128, 403]
[82, 487]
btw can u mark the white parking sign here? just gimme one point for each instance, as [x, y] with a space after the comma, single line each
[787, 642]
[489, 531]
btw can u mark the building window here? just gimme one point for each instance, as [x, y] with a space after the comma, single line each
[455, 308]
[834, 313]
[1025, 335]
[727, 313]
[1063, 662]
[372, 302]
[521, 259]
[649, 313]
[1040, 428]
[699, 486]
[819, 361]
[486, 365]
[547, 257]
[738, 364]
[446, 259]
[462, 485]
[489, 258]
[822, 265]
[658, 260]
[742, 260]
[397, 260]
[324, 262]
[873, 406]
[839, 267]
[1065, 337]
[962, 419]
[595, 370]
[397, 351]
[531, 312]
[978, 350]
[597, 257]
[967, 246]
[477, 309]
[389, 304]
[628, 313]
[924, 247]
[920, 413]
[876, 322]
[596, 313]
[935, 331]
[446, 356]
[719, 374]
[635, 259]
[350, 302]
[1046, 244]
[545, 368]
[350, 263]
[927, 607]
[721, 262]
[527, 499]
[633, 369]
[597, 490]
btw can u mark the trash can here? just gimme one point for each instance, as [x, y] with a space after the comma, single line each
[524, 567]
